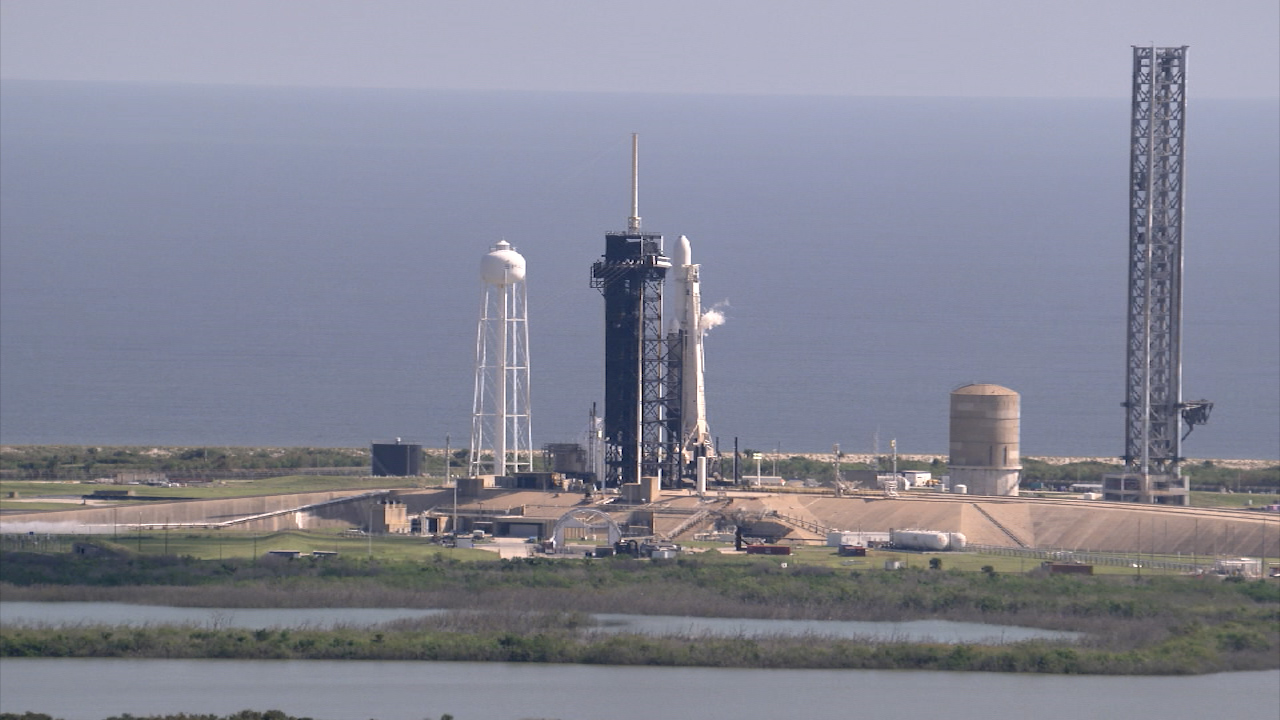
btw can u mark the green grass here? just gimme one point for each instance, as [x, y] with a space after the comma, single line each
[18, 507]
[961, 561]
[1232, 500]
[225, 545]
[222, 489]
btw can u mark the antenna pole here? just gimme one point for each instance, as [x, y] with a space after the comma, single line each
[633, 223]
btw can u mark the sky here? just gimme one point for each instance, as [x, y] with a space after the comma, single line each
[967, 48]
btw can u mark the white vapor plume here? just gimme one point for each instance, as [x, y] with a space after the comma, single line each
[713, 317]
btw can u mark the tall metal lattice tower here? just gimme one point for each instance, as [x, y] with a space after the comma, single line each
[501, 434]
[630, 276]
[1153, 386]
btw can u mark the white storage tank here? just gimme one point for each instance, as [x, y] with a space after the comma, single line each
[932, 540]
[920, 539]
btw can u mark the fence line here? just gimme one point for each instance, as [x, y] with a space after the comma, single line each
[1115, 560]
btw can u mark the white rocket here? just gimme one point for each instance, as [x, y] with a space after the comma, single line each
[687, 319]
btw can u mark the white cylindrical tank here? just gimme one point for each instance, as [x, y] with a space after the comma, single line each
[960, 489]
[985, 428]
[920, 539]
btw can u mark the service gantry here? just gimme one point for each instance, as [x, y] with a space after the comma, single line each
[630, 277]
[1153, 386]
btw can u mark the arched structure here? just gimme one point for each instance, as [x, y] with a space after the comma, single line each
[589, 520]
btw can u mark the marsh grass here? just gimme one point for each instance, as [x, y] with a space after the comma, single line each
[535, 610]
[479, 640]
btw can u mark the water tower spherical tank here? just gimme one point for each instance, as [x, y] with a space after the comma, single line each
[985, 427]
[502, 265]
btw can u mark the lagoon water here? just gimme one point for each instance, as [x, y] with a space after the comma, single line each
[206, 265]
[335, 690]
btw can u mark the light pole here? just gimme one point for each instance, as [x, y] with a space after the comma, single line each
[453, 526]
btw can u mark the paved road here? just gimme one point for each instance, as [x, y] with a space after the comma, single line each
[508, 548]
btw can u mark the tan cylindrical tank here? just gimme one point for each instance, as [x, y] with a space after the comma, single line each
[985, 427]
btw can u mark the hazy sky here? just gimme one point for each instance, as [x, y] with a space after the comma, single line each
[851, 47]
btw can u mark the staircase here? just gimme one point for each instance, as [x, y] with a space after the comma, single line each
[800, 523]
[698, 517]
[1009, 533]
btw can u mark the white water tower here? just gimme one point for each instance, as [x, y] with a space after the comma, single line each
[501, 439]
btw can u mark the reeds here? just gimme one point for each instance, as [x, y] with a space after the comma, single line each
[494, 638]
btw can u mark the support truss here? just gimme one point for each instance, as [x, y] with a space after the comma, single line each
[1154, 344]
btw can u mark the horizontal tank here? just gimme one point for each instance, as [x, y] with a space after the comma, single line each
[920, 539]
[934, 540]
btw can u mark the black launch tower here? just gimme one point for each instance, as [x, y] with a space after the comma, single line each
[630, 277]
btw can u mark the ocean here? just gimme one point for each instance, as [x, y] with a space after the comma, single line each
[213, 265]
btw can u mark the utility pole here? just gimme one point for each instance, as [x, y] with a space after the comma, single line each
[453, 526]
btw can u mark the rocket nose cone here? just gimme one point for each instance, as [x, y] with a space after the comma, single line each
[684, 254]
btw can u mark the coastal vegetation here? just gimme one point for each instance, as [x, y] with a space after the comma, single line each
[242, 715]
[31, 495]
[73, 462]
[70, 461]
[534, 610]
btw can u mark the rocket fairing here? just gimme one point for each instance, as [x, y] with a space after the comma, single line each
[695, 436]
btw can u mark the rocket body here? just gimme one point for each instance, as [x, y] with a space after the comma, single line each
[687, 320]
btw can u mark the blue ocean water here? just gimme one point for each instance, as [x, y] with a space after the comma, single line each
[205, 265]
